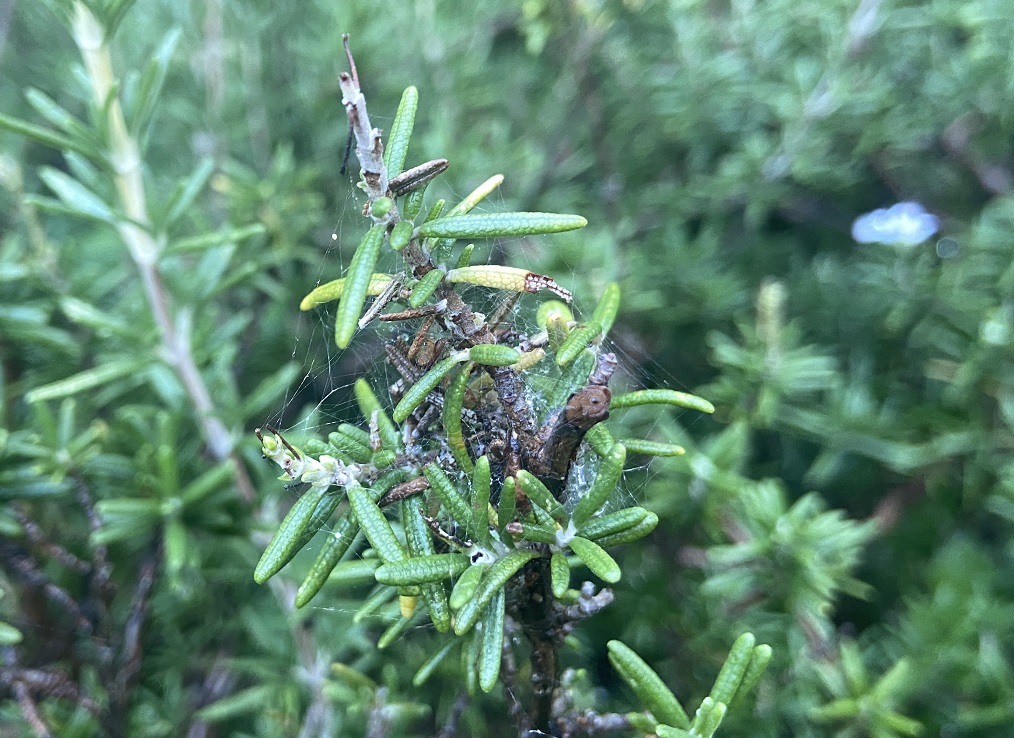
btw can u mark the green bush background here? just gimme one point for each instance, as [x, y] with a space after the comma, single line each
[851, 501]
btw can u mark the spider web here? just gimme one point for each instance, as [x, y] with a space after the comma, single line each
[323, 398]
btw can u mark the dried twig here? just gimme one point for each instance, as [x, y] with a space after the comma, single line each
[9, 676]
[129, 661]
[589, 603]
[404, 490]
[450, 727]
[22, 567]
[29, 710]
[369, 146]
[382, 300]
[38, 539]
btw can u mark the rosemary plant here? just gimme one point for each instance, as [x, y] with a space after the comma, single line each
[465, 484]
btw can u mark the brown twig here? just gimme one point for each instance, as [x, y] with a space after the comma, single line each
[23, 568]
[38, 539]
[422, 312]
[29, 710]
[218, 682]
[382, 300]
[532, 605]
[450, 727]
[22, 693]
[101, 570]
[957, 141]
[43, 682]
[129, 661]
[404, 490]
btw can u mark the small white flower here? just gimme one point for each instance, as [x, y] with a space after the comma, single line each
[905, 224]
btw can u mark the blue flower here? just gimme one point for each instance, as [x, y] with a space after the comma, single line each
[905, 224]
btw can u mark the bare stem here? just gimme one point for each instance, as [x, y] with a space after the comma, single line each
[135, 231]
[369, 147]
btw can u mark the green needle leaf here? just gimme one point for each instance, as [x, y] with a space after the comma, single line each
[288, 539]
[397, 629]
[539, 533]
[401, 234]
[667, 731]
[758, 663]
[609, 473]
[425, 287]
[47, 136]
[470, 661]
[481, 489]
[334, 290]
[347, 447]
[431, 664]
[357, 283]
[466, 585]
[380, 597]
[454, 399]
[708, 717]
[369, 406]
[600, 439]
[335, 545]
[594, 556]
[401, 132]
[651, 448]
[418, 392]
[356, 571]
[465, 257]
[573, 378]
[420, 543]
[378, 531]
[539, 494]
[215, 238]
[491, 354]
[452, 500]
[88, 379]
[613, 523]
[476, 196]
[647, 685]
[507, 507]
[731, 674]
[491, 648]
[577, 341]
[559, 574]
[661, 397]
[607, 307]
[76, 196]
[634, 533]
[497, 576]
[490, 225]
[421, 569]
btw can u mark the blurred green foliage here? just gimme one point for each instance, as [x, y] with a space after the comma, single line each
[851, 503]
